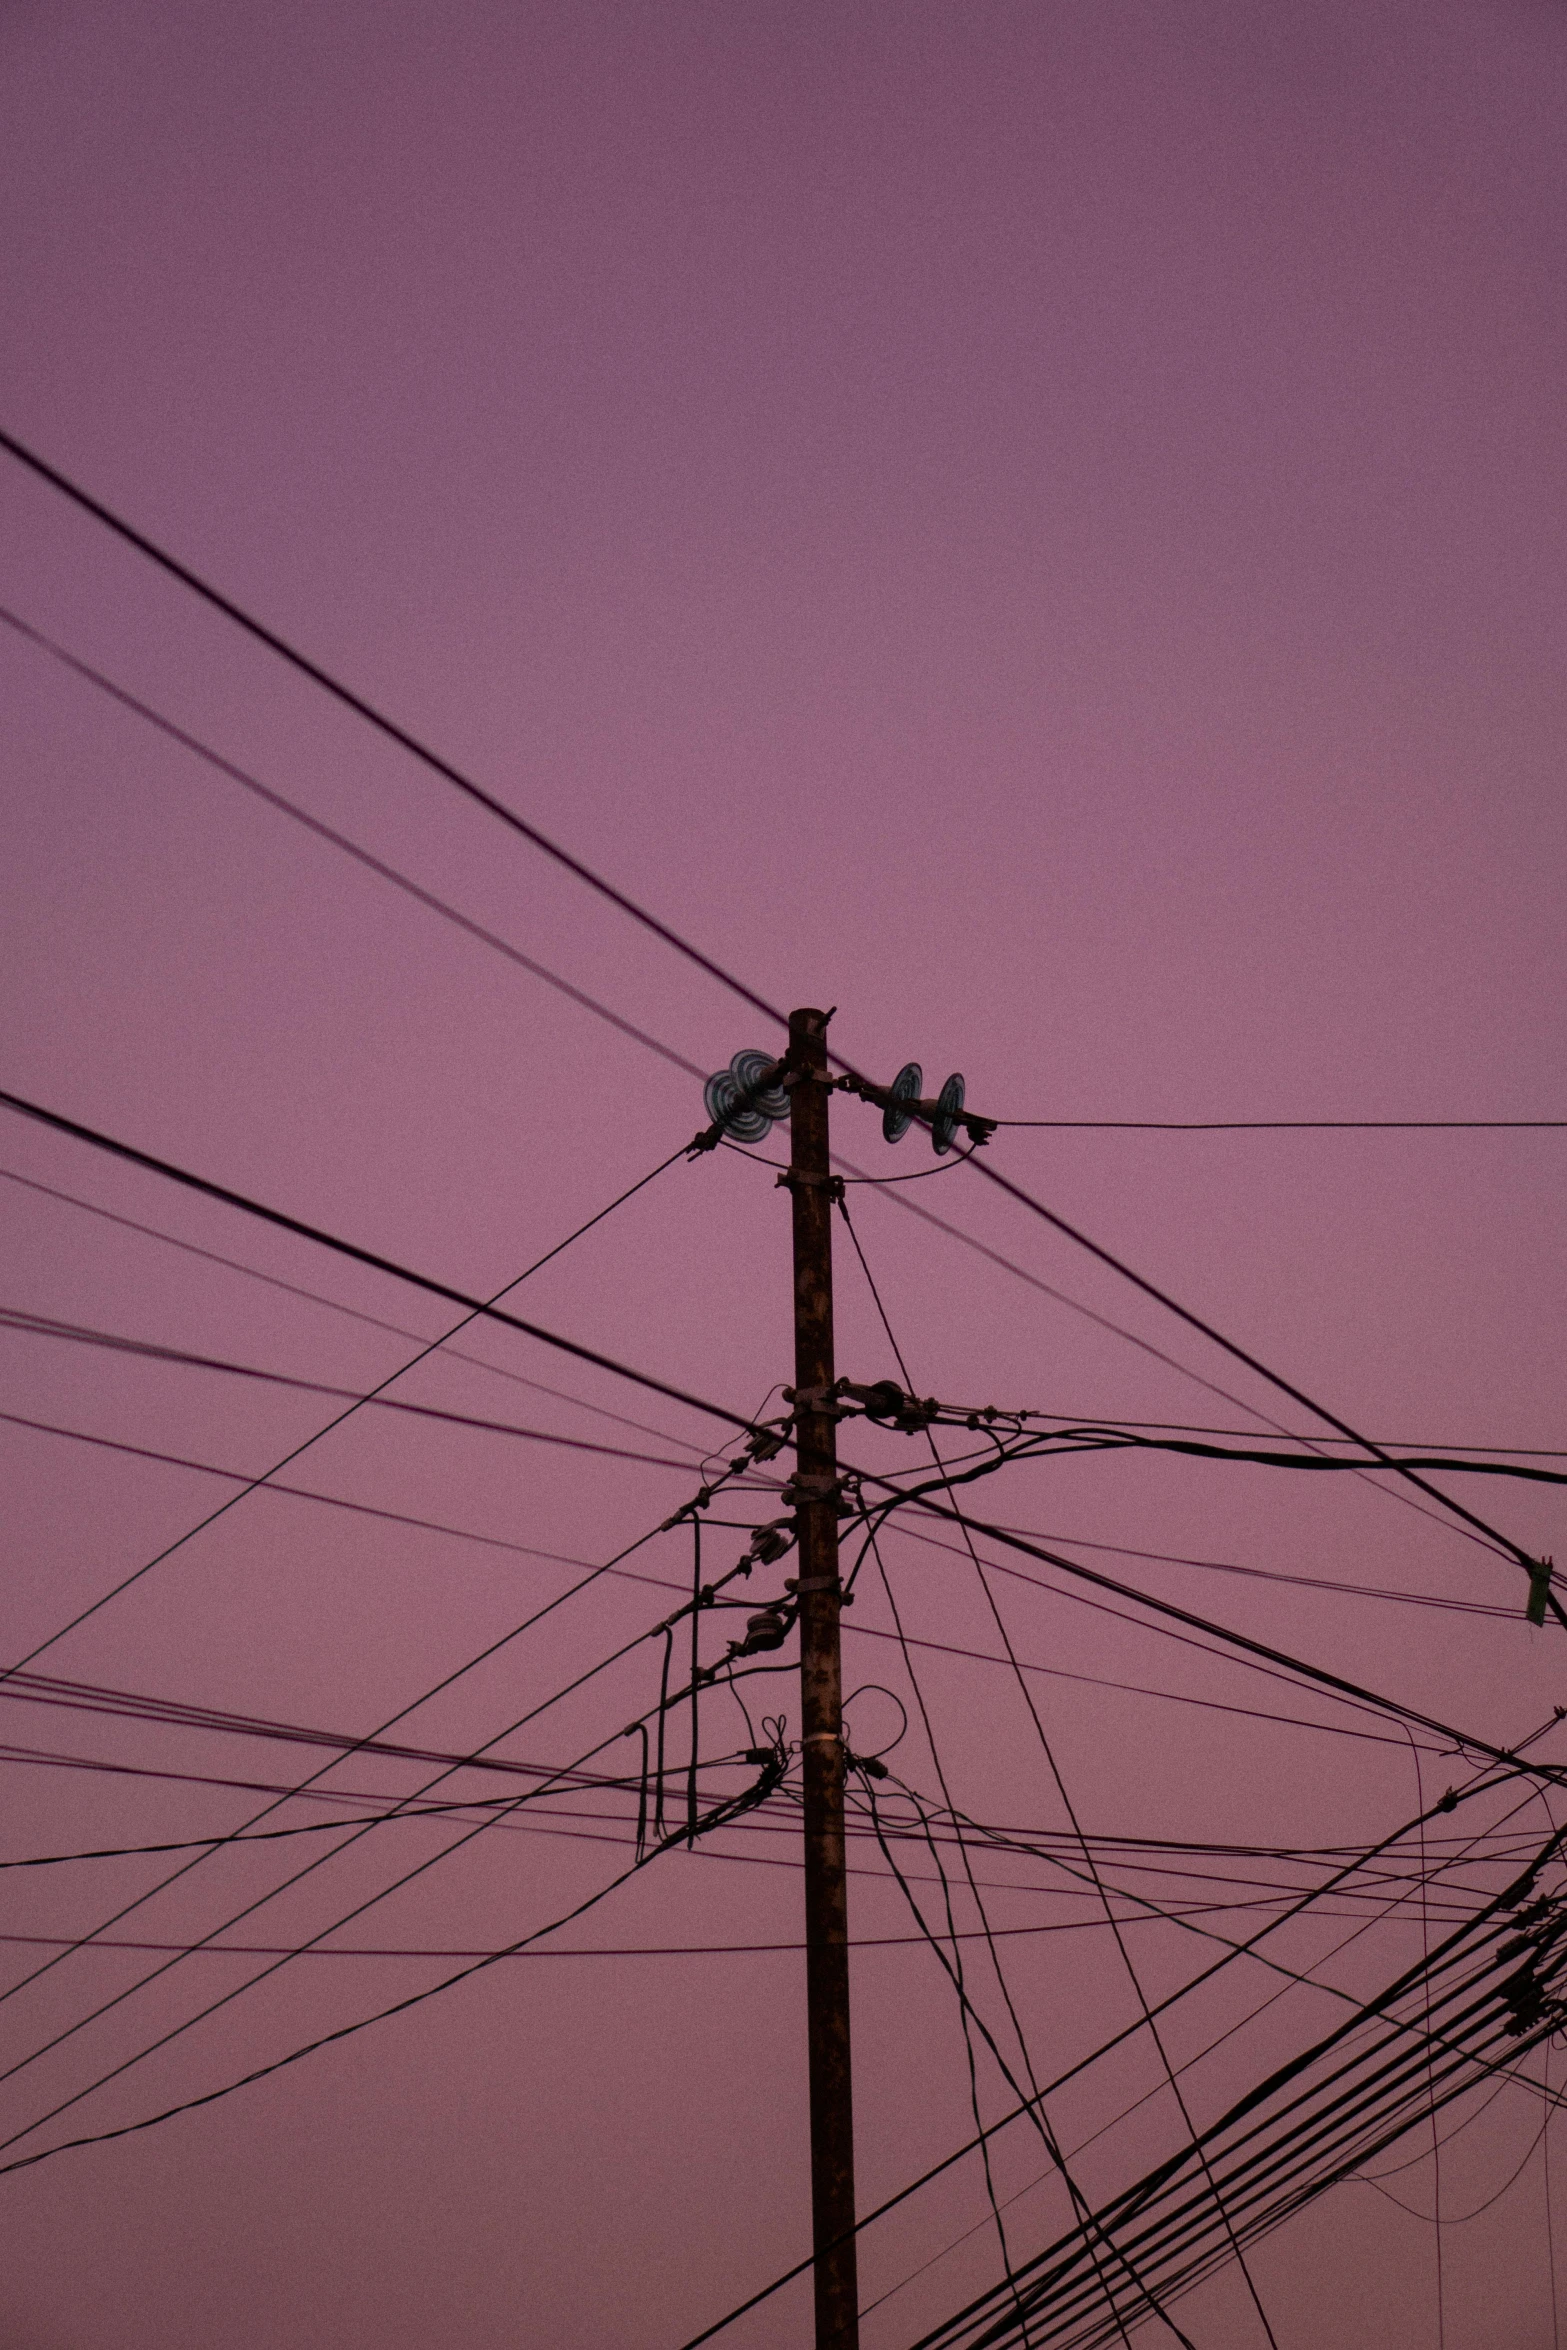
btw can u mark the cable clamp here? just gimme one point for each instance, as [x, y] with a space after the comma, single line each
[823, 1738]
[816, 1399]
[792, 1180]
[802, 1583]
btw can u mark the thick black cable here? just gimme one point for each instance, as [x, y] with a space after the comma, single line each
[377, 1263]
[1053, 1443]
[671, 938]
[1463, 1739]
[1290, 1125]
[1348, 1692]
[1145, 1346]
[949, 2161]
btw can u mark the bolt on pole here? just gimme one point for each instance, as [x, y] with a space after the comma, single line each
[821, 1695]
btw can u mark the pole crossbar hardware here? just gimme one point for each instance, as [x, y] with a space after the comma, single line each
[816, 1490]
[902, 1107]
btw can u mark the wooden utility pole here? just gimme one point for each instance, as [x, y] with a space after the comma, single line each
[821, 1694]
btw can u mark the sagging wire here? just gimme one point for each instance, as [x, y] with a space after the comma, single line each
[771, 1776]
[1055, 1772]
[1033, 2105]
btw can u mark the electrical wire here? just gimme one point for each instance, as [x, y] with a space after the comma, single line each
[454, 777]
[43, 1326]
[437, 1689]
[334, 1305]
[528, 1795]
[377, 865]
[399, 2007]
[473, 1308]
[1481, 1783]
[1061, 1788]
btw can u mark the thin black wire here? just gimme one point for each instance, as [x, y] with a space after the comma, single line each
[1479, 1785]
[944, 1166]
[552, 979]
[338, 840]
[1461, 1739]
[1347, 1692]
[1266, 2003]
[400, 2007]
[474, 1308]
[1550, 2231]
[376, 718]
[1190, 2064]
[1155, 1353]
[400, 1715]
[335, 1305]
[1037, 2112]
[1055, 1771]
[1492, 1923]
[528, 1795]
[59, 481]
[1436, 2139]
[53, 1860]
[378, 1263]
[332, 1501]
[965, 2012]
[459, 781]
[1033, 2104]
[112, 1341]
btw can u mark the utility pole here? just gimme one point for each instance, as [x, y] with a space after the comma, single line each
[810, 1185]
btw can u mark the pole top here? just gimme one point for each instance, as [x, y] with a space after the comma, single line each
[807, 1021]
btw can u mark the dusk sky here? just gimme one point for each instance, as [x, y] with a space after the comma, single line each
[1040, 527]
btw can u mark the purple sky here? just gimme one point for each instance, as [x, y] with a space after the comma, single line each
[1039, 526]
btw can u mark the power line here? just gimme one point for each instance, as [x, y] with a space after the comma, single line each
[401, 2006]
[437, 1689]
[1071, 1811]
[402, 881]
[115, 1342]
[334, 1501]
[527, 1796]
[1479, 1785]
[377, 718]
[336, 1305]
[1239, 1640]
[350, 848]
[473, 1307]
[377, 1263]
[454, 776]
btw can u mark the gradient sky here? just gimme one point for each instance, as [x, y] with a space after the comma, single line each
[1039, 526]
